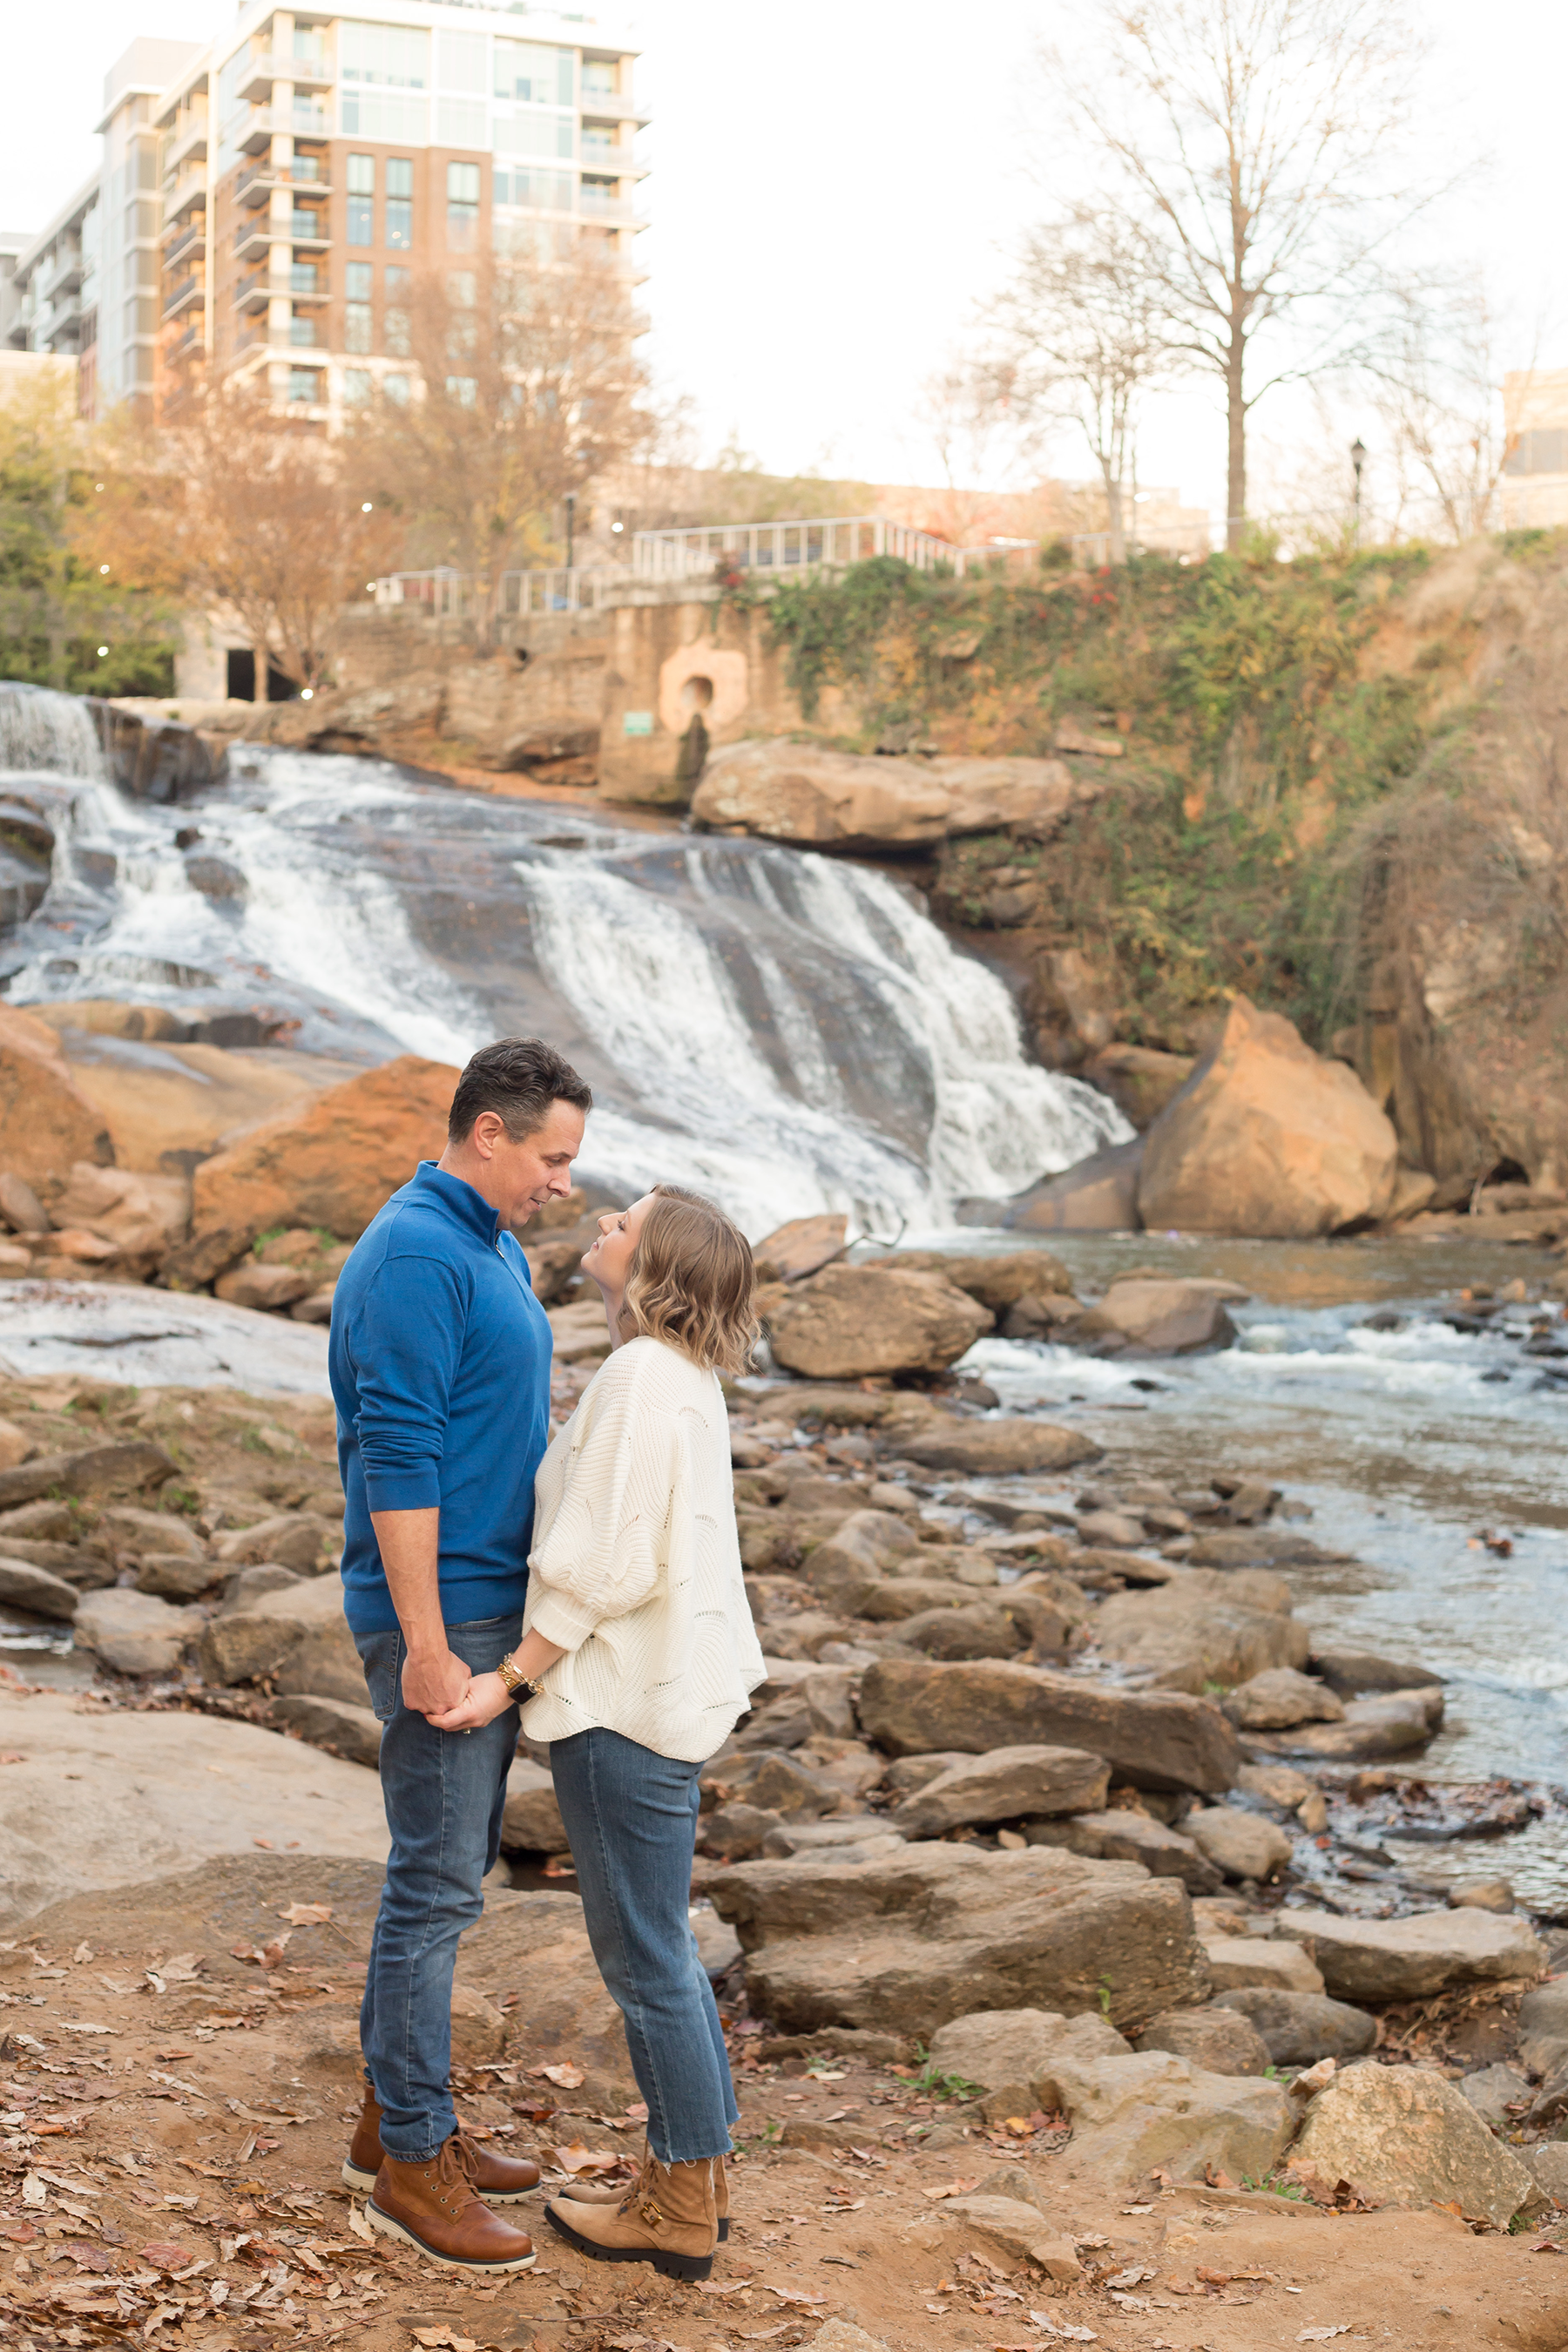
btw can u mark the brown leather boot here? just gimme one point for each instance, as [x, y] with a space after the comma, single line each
[583, 2193]
[432, 2207]
[667, 2220]
[500, 2179]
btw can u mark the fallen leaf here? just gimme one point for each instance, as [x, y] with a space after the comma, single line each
[788, 2294]
[162, 2256]
[34, 2191]
[957, 2189]
[1042, 2319]
[565, 2077]
[263, 1842]
[578, 2158]
[359, 2225]
[308, 1915]
[439, 2336]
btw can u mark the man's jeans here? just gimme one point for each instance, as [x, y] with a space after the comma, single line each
[444, 1794]
[632, 1820]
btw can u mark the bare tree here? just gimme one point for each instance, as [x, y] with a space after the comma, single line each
[1253, 150]
[527, 389]
[1438, 393]
[235, 509]
[1084, 335]
[981, 434]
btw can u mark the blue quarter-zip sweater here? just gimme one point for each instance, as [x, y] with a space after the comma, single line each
[440, 1371]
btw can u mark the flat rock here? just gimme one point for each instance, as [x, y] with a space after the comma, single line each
[1244, 1960]
[1219, 2040]
[997, 1448]
[1492, 2091]
[1130, 2114]
[175, 1575]
[1409, 1959]
[1018, 2230]
[851, 1321]
[1279, 1698]
[531, 1822]
[1242, 1846]
[158, 1793]
[23, 1586]
[241, 1643]
[1299, 2028]
[1407, 2136]
[1201, 1627]
[1011, 2054]
[129, 1528]
[1395, 1724]
[330, 1723]
[119, 1468]
[1156, 1740]
[1126, 1836]
[1003, 1786]
[134, 1632]
[1143, 1316]
[1255, 1546]
[997, 1282]
[938, 1930]
[1362, 1673]
[295, 1539]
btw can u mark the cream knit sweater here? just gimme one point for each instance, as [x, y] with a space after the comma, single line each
[636, 1568]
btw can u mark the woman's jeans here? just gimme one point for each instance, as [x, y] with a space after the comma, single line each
[632, 1820]
[444, 1792]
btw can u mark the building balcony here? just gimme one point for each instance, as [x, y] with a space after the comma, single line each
[614, 212]
[189, 145]
[304, 286]
[253, 237]
[190, 346]
[61, 331]
[257, 129]
[180, 299]
[611, 106]
[309, 228]
[305, 73]
[189, 196]
[191, 245]
[254, 292]
[63, 276]
[615, 163]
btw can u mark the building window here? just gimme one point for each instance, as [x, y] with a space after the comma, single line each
[362, 200]
[302, 384]
[359, 280]
[462, 206]
[303, 279]
[396, 329]
[463, 389]
[357, 330]
[303, 333]
[396, 387]
[399, 202]
[358, 384]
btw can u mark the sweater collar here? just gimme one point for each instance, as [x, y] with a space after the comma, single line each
[460, 1200]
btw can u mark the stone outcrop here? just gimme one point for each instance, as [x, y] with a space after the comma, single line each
[47, 1123]
[805, 1245]
[851, 1321]
[1410, 1959]
[1219, 2040]
[331, 1164]
[1147, 1315]
[998, 1283]
[1279, 1699]
[1242, 1846]
[1392, 1724]
[1153, 1740]
[935, 1931]
[1268, 1140]
[803, 794]
[1153, 2109]
[1006, 1784]
[1123, 1836]
[1406, 2136]
[1299, 2028]
[1099, 1196]
[1204, 1627]
[1009, 2053]
[135, 1632]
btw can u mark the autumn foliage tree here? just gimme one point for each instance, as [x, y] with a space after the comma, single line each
[525, 389]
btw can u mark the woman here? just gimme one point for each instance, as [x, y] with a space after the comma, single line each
[637, 1657]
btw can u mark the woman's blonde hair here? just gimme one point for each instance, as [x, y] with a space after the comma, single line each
[691, 1282]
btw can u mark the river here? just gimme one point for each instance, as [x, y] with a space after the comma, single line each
[792, 1032]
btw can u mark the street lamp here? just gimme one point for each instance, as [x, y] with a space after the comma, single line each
[1358, 459]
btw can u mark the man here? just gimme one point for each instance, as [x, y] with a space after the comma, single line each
[440, 1370]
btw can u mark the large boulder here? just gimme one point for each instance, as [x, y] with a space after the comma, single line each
[849, 1322]
[1217, 2039]
[1268, 1140]
[331, 1164]
[998, 1283]
[1202, 1627]
[1392, 1724]
[1009, 2053]
[805, 793]
[47, 1123]
[1121, 1835]
[995, 1449]
[1155, 2109]
[1299, 2028]
[1279, 1699]
[23, 1586]
[1005, 1785]
[1156, 1739]
[1148, 1315]
[933, 1931]
[530, 1821]
[1407, 2136]
[1410, 1959]
[1099, 1195]
[298, 1630]
[1242, 1846]
[134, 1632]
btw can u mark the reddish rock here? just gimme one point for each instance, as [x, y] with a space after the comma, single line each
[47, 1123]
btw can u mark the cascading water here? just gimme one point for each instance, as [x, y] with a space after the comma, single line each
[785, 1030]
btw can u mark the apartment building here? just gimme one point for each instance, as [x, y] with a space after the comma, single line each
[1534, 485]
[266, 204]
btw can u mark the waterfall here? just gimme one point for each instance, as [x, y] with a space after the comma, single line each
[786, 1031]
[42, 730]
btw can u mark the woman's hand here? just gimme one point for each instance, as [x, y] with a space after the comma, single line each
[487, 1697]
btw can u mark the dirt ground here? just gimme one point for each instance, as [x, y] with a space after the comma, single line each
[177, 2080]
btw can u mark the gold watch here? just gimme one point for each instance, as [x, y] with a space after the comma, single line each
[522, 1686]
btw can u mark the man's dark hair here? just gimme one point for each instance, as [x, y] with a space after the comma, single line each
[517, 1079]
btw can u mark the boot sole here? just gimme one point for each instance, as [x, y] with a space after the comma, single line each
[366, 2181]
[567, 2199]
[675, 2266]
[385, 2227]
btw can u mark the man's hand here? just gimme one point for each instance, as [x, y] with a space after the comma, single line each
[488, 1697]
[434, 1681]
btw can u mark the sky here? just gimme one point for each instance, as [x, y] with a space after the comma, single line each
[837, 186]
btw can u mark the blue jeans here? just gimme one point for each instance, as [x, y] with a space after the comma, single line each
[632, 1820]
[445, 1792]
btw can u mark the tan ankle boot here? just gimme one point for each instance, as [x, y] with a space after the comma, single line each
[432, 2208]
[583, 2193]
[667, 2220]
[500, 2179]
